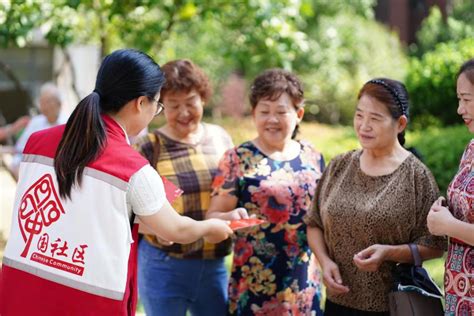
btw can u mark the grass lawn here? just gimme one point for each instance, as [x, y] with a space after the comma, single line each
[329, 140]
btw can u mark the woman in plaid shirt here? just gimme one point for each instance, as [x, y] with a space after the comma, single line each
[175, 278]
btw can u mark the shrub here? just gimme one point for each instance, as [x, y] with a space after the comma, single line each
[431, 81]
[347, 51]
[441, 149]
[435, 29]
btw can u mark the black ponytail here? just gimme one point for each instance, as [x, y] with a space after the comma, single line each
[401, 138]
[123, 76]
[82, 141]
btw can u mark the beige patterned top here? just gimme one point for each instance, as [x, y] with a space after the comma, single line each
[356, 210]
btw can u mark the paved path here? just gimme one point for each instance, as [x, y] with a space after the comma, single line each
[7, 195]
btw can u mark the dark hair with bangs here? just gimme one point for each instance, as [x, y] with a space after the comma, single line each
[182, 75]
[468, 69]
[392, 94]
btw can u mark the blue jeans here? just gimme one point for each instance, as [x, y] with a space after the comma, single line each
[168, 286]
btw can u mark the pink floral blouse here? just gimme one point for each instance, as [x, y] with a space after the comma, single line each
[459, 276]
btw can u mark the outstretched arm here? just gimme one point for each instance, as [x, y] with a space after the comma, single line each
[169, 225]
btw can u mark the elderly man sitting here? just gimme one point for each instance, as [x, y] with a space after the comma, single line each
[50, 101]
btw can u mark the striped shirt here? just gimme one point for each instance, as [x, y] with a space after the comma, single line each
[191, 168]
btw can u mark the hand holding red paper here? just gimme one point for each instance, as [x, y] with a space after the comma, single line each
[218, 230]
[238, 213]
[244, 223]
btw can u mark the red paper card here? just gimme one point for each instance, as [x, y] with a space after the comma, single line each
[171, 190]
[245, 222]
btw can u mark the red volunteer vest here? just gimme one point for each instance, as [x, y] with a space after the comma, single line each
[78, 256]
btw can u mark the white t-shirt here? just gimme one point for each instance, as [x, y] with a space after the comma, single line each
[146, 194]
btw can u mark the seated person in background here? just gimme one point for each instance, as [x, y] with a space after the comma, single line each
[50, 101]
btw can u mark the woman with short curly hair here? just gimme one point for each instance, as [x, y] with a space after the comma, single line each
[175, 278]
[272, 177]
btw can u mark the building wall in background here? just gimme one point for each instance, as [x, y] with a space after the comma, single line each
[405, 16]
[37, 64]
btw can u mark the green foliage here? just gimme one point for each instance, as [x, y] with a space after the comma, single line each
[361, 8]
[293, 35]
[262, 34]
[347, 51]
[431, 81]
[435, 268]
[463, 10]
[441, 149]
[17, 19]
[107, 23]
[330, 43]
[330, 140]
[455, 27]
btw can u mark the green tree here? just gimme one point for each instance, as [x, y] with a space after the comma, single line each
[431, 82]
[330, 43]
[109, 24]
[455, 27]
[347, 51]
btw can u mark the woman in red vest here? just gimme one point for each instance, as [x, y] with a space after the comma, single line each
[72, 248]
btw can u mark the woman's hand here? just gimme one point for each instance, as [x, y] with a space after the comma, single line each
[238, 213]
[217, 231]
[439, 218]
[163, 242]
[332, 278]
[370, 258]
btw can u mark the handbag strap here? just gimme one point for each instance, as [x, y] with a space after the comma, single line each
[416, 254]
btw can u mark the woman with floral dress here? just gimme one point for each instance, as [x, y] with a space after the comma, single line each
[272, 177]
[457, 220]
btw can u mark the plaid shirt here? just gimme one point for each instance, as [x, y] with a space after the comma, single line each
[191, 168]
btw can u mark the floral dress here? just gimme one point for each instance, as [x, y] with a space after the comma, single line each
[273, 272]
[459, 276]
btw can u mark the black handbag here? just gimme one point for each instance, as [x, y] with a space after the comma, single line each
[414, 292]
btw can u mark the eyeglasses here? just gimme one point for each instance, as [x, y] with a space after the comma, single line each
[159, 107]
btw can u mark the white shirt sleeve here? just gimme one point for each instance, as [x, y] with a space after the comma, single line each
[146, 194]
